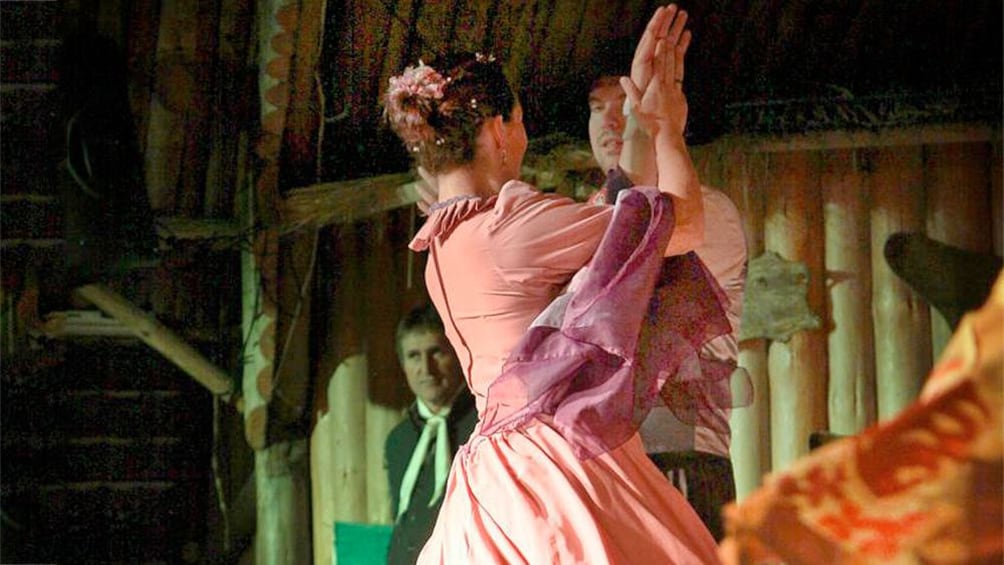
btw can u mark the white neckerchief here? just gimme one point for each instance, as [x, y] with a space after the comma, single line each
[435, 424]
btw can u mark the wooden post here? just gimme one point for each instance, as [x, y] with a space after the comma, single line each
[380, 420]
[143, 26]
[848, 262]
[282, 483]
[347, 399]
[901, 318]
[750, 425]
[340, 459]
[322, 471]
[395, 50]
[958, 209]
[258, 329]
[283, 535]
[797, 369]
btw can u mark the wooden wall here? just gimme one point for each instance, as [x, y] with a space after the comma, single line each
[830, 201]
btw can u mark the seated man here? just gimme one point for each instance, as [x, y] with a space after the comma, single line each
[695, 457]
[419, 450]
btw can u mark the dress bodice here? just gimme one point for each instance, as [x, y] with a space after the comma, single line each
[495, 263]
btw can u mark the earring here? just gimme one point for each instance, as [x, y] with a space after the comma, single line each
[505, 156]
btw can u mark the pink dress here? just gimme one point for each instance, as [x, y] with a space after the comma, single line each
[555, 471]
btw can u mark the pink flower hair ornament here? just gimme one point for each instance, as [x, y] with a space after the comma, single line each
[422, 81]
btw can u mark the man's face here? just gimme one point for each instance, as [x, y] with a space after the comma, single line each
[431, 367]
[606, 122]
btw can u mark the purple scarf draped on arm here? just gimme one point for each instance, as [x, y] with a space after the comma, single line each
[624, 336]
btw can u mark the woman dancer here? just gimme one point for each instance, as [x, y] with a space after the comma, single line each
[562, 369]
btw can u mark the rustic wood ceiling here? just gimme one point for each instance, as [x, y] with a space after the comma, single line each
[744, 53]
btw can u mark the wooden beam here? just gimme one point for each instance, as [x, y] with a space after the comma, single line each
[346, 202]
[828, 140]
[169, 229]
[159, 337]
[189, 228]
[349, 201]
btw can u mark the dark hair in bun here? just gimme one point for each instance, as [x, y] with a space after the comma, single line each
[437, 110]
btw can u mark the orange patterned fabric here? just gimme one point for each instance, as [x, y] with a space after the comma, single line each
[925, 487]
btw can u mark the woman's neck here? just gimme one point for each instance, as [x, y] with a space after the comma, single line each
[467, 181]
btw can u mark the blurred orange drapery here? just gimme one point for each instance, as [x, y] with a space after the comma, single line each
[925, 487]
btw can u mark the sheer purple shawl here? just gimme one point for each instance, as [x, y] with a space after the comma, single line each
[624, 336]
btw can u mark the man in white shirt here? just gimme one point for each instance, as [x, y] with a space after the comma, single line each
[694, 456]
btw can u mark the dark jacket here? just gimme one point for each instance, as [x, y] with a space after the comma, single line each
[414, 527]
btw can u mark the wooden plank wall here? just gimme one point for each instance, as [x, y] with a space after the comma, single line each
[830, 201]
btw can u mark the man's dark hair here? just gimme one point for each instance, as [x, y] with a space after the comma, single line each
[611, 59]
[423, 317]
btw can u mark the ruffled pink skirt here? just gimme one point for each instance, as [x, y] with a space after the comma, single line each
[523, 496]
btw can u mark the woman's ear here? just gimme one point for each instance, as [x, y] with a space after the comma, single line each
[496, 126]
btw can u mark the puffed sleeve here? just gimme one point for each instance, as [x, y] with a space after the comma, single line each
[543, 237]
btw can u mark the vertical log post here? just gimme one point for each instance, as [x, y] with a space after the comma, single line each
[750, 425]
[380, 420]
[797, 369]
[347, 399]
[901, 318]
[322, 470]
[283, 493]
[339, 457]
[848, 262]
[281, 469]
[279, 506]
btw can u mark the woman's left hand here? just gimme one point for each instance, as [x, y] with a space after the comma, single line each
[661, 103]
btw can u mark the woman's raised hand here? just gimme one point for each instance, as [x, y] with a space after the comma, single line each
[655, 88]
